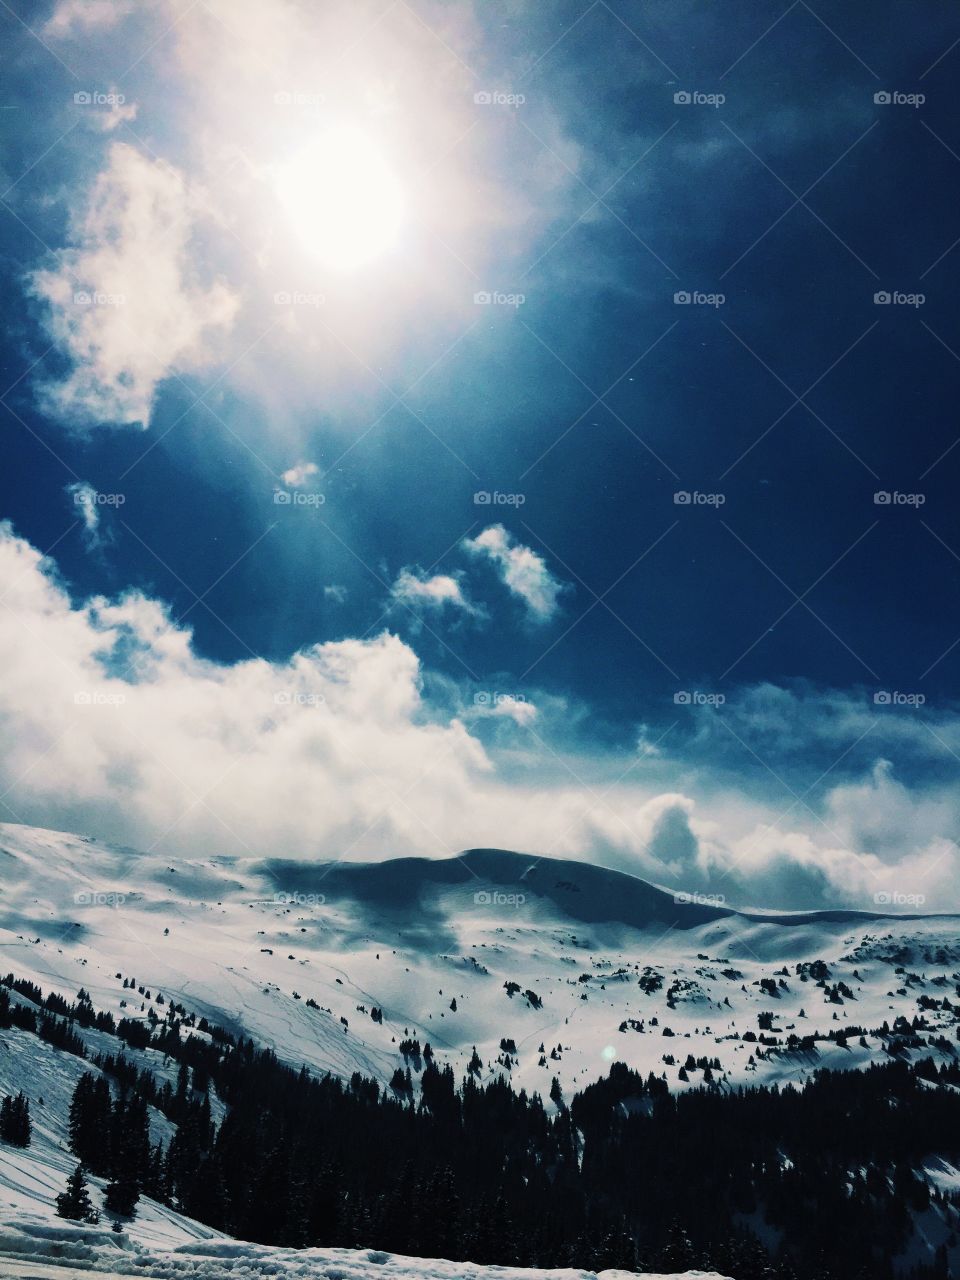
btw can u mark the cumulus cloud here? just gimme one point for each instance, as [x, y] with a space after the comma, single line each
[521, 570]
[111, 723]
[419, 590]
[123, 303]
[72, 17]
[300, 474]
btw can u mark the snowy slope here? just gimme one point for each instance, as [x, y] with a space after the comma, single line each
[248, 943]
[43, 1254]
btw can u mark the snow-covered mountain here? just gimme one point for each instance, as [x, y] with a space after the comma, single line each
[336, 964]
[549, 968]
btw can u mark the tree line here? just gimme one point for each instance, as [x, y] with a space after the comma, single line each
[624, 1175]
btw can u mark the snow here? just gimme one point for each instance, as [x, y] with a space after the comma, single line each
[236, 939]
[42, 1253]
[240, 940]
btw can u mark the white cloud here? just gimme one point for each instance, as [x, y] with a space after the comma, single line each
[84, 499]
[505, 706]
[335, 592]
[522, 570]
[417, 590]
[105, 120]
[300, 474]
[80, 16]
[310, 755]
[123, 305]
[111, 723]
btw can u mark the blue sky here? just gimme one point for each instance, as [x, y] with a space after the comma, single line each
[591, 261]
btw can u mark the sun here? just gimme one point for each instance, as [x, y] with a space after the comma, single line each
[343, 200]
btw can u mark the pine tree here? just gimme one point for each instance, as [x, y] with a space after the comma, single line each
[74, 1203]
[15, 1126]
[130, 1155]
[90, 1123]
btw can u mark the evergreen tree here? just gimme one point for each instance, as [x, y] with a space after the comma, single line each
[74, 1203]
[15, 1126]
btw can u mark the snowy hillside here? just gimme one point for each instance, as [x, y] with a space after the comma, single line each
[336, 965]
[42, 1254]
[550, 970]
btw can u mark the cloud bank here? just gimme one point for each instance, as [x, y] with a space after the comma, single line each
[111, 723]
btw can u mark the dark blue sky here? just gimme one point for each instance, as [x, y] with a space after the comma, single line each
[599, 198]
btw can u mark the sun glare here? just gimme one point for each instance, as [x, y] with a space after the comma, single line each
[342, 198]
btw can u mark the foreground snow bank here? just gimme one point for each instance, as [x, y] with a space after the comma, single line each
[42, 1252]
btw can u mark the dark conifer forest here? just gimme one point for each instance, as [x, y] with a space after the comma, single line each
[815, 1183]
